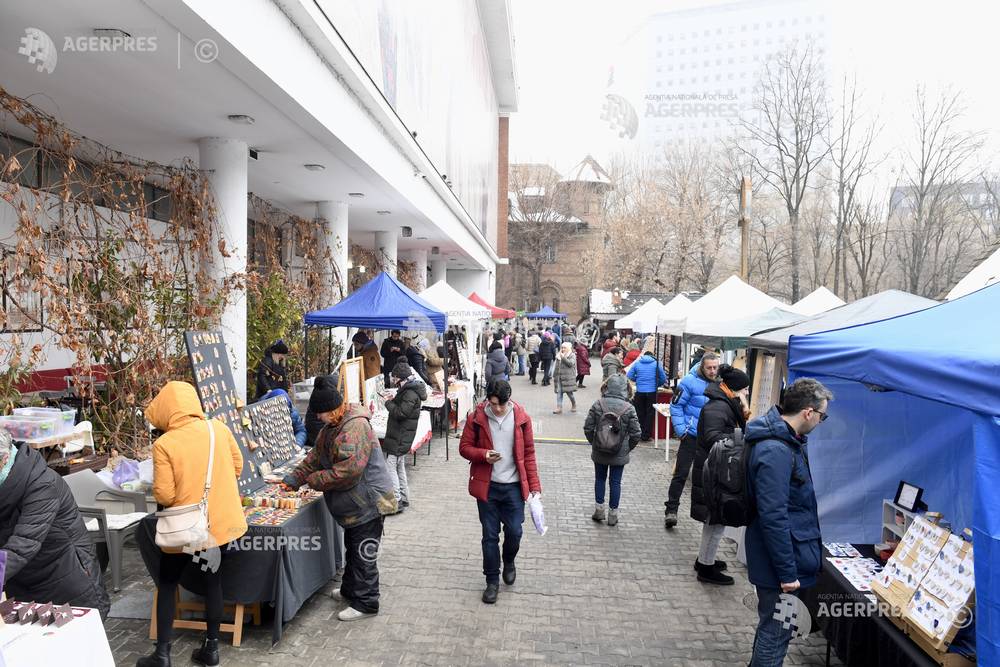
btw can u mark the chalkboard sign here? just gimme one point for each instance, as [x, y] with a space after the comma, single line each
[213, 378]
[269, 434]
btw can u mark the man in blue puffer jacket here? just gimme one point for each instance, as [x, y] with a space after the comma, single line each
[783, 541]
[689, 399]
[648, 374]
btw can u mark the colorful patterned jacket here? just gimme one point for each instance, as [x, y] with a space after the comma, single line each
[348, 466]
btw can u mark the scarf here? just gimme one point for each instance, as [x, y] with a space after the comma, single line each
[7, 466]
[729, 392]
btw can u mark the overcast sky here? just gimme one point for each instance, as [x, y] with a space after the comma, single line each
[565, 47]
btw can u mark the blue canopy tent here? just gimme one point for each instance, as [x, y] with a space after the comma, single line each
[916, 399]
[546, 313]
[383, 303]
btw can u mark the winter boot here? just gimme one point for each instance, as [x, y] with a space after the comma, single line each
[159, 658]
[208, 654]
[613, 517]
[710, 575]
[670, 520]
[598, 513]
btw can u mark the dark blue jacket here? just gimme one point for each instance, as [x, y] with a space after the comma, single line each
[783, 541]
[688, 401]
[647, 373]
[297, 424]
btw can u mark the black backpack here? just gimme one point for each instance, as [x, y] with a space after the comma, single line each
[609, 436]
[724, 479]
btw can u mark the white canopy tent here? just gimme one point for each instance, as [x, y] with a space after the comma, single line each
[730, 301]
[642, 319]
[461, 312]
[984, 275]
[818, 301]
[734, 334]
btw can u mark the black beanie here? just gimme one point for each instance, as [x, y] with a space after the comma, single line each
[402, 370]
[279, 347]
[325, 397]
[734, 378]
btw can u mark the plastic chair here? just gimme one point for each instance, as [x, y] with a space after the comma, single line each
[86, 432]
[112, 515]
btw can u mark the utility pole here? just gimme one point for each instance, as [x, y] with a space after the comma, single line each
[744, 223]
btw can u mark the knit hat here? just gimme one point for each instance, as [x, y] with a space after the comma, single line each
[279, 347]
[402, 370]
[325, 397]
[734, 378]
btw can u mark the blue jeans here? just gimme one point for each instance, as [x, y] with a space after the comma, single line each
[602, 478]
[771, 641]
[506, 507]
[520, 364]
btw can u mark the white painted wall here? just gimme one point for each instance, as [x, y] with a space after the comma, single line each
[467, 281]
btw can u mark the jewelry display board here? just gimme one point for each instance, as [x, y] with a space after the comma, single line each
[213, 379]
[269, 432]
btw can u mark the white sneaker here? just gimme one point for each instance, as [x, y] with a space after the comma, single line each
[335, 594]
[352, 614]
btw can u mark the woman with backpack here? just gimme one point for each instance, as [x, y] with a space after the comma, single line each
[612, 429]
[725, 411]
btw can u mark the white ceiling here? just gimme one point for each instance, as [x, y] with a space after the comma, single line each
[156, 105]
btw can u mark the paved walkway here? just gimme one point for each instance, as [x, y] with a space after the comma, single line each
[585, 593]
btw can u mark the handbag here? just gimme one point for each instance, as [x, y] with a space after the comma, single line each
[187, 525]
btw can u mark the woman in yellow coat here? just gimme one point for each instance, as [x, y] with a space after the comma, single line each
[180, 467]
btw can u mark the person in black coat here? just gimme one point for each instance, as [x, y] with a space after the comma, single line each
[416, 360]
[546, 355]
[391, 351]
[725, 412]
[50, 557]
[271, 372]
[401, 427]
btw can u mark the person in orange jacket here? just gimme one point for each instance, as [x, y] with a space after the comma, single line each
[180, 468]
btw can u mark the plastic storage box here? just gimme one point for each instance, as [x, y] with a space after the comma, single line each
[26, 427]
[65, 419]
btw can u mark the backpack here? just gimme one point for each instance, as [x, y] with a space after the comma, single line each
[724, 480]
[609, 435]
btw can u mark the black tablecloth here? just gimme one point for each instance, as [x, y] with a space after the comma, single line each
[863, 640]
[284, 576]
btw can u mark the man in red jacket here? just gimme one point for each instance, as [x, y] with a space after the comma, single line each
[498, 442]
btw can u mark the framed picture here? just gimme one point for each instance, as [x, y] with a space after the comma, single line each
[909, 496]
[352, 386]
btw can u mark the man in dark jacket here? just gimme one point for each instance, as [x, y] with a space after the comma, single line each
[725, 412]
[271, 372]
[546, 355]
[689, 399]
[50, 557]
[391, 350]
[401, 428]
[499, 444]
[496, 363]
[614, 399]
[783, 541]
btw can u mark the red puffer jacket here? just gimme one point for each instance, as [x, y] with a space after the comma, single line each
[582, 360]
[477, 440]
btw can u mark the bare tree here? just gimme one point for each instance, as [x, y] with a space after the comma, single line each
[785, 134]
[866, 243]
[852, 160]
[926, 206]
[769, 251]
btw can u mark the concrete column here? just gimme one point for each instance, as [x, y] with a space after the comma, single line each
[225, 161]
[334, 215]
[419, 257]
[439, 270]
[385, 248]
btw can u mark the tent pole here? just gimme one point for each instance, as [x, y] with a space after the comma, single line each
[329, 352]
[305, 352]
[447, 409]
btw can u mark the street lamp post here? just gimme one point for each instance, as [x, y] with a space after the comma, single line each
[744, 223]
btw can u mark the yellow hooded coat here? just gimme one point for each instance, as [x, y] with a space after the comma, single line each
[180, 460]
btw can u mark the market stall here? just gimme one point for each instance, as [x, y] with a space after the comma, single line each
[642, 319]
[461, 312]
[384, 304]
[496, 313]
[915, 403]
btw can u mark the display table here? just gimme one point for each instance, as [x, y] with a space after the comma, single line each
[859, 639]
[82, 641]
[662, 410]
[265, 569]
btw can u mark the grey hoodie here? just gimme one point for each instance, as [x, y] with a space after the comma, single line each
[615, 400]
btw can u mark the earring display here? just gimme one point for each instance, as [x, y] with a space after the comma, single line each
[213, 378]
[270, 430]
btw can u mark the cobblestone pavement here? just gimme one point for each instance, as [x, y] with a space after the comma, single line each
[585, 593]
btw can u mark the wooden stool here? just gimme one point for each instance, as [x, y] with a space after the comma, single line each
[236, 627]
